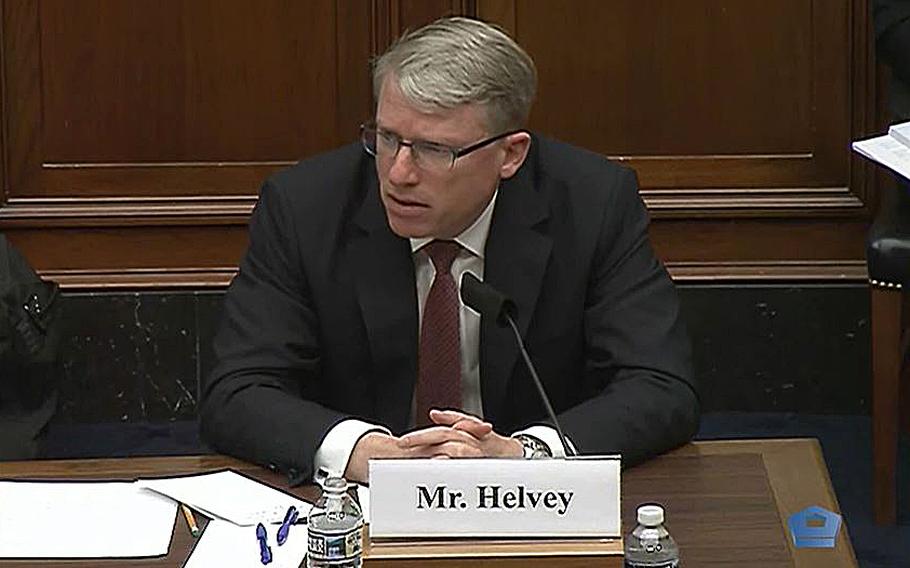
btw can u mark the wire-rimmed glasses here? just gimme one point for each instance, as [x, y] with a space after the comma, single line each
[426, 155]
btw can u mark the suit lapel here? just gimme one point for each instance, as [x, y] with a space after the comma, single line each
[516, 257]
[387, 296]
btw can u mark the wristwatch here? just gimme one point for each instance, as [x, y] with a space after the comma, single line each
[534, 449]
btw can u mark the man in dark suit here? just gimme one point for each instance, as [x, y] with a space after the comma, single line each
[343, 337]
[891, 19]
[29, 342]
[888, 240]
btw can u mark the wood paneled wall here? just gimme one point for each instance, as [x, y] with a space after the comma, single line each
[135, 134]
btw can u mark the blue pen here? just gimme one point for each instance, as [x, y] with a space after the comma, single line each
[289, 519]
[265, 553]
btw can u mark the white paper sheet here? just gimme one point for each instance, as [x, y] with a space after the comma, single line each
[229, 496]
[226, 544]
[886, 151]
[83, 520]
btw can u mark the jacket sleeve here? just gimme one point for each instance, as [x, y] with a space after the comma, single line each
[637, 349]
[259, 402]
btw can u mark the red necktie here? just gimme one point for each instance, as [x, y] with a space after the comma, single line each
[439, 361]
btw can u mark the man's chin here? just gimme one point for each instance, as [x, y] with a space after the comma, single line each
[408, 230]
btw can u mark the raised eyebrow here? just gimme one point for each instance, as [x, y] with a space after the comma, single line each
[387, 132]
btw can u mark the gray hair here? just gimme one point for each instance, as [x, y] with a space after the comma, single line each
[455, 61]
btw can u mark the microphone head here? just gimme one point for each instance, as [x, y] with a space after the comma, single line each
[486, 300]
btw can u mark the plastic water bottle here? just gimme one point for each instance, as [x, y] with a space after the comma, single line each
[650, 545]
[335, 528]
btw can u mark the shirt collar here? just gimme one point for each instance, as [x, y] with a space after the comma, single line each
[474, 238]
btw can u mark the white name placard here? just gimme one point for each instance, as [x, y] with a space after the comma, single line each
[576, 497]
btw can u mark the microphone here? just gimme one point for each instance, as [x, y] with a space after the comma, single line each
[490, 302]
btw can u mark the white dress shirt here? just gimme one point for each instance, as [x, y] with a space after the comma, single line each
[335, 450]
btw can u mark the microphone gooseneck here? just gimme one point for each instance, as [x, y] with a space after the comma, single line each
[490, 302]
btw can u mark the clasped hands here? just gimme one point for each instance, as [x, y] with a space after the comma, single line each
[453, 434]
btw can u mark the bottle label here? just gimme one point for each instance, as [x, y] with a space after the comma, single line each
[335, 546]
[667, 564]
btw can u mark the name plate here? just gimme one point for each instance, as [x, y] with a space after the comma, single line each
[575, 497]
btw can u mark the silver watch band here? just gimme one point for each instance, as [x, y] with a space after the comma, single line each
[534, 448]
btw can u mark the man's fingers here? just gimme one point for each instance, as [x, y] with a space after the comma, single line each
[446, 450]
[461, 421]
[476, 429]
[435, 435]
[449, 417]
[458, 450]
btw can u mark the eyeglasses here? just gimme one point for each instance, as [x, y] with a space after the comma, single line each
[431, 156]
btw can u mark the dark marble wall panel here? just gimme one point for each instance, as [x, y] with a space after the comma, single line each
[128, 358]
[767, 348]
[139, 357]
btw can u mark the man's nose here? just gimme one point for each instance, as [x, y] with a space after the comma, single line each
[403, 170]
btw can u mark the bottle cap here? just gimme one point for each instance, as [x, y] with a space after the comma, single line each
[650, 515]
[335, 484]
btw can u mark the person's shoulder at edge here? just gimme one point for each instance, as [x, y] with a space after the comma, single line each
[569, 174]
[321, 194]
[563, 162]
[323, 174]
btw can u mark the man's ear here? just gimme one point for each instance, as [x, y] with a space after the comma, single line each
[516, 150]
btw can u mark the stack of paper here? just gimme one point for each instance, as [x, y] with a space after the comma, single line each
[891, 150]
[229, 496]
[83, 520]
[236, 504]
[126, 519]
[901, 133]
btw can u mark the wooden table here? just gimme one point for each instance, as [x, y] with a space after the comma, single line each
[727, 504]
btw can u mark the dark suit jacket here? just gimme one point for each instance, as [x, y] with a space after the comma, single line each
[29, 345]
[320, 324]
[892, 39]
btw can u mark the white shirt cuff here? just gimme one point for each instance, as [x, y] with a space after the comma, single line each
[335, 451]
[549, 436]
